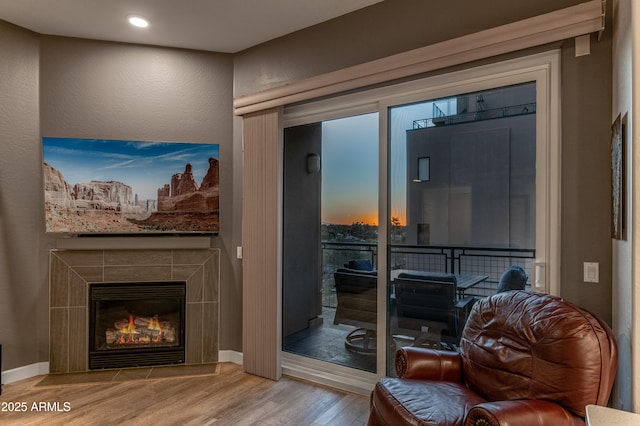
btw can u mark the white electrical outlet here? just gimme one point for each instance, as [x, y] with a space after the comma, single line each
[591, 272]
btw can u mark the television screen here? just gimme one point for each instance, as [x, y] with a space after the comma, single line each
[94, 186]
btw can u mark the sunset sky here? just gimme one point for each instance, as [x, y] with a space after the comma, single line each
[350, 165]
[350, 170]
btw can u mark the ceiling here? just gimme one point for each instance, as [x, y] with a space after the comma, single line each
[226, 26]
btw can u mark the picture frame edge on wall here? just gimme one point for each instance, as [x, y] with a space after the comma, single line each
[617, 179]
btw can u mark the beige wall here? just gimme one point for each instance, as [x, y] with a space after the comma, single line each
[23, 293]
[586, 174]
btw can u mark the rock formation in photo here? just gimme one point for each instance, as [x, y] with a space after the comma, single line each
[184, 195]
[182, 205]
[111, 206]
[56, 189]
[111, 195]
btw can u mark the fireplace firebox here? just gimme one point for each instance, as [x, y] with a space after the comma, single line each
[136, 324]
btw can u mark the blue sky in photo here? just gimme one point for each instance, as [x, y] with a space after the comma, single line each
[144, 166]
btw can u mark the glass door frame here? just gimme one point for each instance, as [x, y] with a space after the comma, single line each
[544, 69]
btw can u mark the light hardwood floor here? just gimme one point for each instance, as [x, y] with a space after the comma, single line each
[224, 395]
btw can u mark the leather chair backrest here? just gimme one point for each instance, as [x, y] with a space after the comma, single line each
[526, 345]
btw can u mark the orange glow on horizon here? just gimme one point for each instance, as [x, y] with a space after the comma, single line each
[367, 219]
[347, 219]
[370, 219]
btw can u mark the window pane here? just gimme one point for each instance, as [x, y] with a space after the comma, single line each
[462, 205]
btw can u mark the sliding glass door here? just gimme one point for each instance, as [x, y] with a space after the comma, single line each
[403, 204]
[330, 241]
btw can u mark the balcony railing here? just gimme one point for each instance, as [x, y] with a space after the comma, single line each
[450, 259]
[489, 261]
[489, 114]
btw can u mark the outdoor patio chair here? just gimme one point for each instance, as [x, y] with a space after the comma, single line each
[430, 306]
[357, 306]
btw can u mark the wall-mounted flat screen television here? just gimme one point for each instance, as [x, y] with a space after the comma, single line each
[113, 187]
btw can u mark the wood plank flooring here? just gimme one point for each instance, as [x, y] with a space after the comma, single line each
[225, 395]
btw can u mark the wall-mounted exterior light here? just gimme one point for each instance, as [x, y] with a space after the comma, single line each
[313, 163]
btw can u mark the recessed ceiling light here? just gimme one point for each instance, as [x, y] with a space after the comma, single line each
[138, 21]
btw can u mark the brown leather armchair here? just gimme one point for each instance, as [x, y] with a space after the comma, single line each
[525, 359]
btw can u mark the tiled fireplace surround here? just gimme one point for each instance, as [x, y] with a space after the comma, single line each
[71, 271]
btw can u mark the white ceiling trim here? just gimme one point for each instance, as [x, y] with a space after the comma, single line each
[570, 22]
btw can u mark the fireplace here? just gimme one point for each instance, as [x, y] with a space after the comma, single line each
[135, 324]
[73, 272]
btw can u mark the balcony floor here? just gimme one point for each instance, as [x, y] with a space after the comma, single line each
[326, 343]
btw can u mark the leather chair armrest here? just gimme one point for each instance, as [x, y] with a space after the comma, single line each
[428, 364]
[521, 412]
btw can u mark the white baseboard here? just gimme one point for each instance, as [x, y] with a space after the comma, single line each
[25, 372]
[231, 356]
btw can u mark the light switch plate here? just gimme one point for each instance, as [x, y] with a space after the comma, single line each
[591, 272]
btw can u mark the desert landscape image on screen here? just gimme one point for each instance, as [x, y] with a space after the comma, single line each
[94, 186]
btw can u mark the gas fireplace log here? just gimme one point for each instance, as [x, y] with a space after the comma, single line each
[123, 323]
[140, 322]
[169, 335]
[111, 336]
[147, 332]
[144, 322]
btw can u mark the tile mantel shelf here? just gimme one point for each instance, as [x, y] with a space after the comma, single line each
[72, 271]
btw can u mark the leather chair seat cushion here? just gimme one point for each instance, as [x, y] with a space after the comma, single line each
[422, 402]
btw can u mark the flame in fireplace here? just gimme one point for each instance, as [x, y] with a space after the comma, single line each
[154, 324]
[128, 332]
[140, 330]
